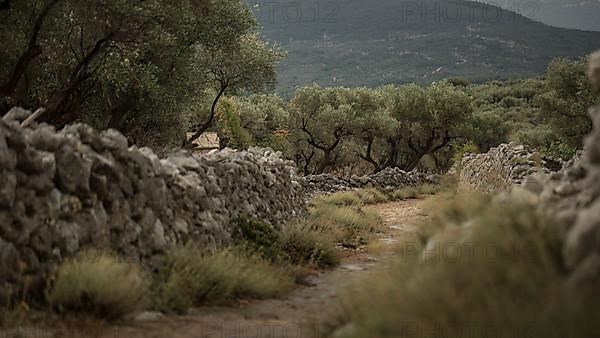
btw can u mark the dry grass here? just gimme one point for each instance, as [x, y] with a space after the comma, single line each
[103, 287]
[305, 246]
[191, 276]
[404, 194]
[371, 196]
[345, 198]
[519, 290]
[349, 226]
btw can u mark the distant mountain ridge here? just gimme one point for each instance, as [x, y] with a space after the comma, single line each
[364, 43]
[573, 14]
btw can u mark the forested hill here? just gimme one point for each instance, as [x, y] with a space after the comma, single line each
[576, 14]
[369, 43]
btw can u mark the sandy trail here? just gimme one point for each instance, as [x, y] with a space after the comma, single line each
[302, 313]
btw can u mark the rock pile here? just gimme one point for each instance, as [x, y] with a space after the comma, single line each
[501, 167]
[387, 179]
[63, 192]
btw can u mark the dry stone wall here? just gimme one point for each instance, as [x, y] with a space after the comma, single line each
[68, 191]
[573, 194]
[501, 168]
[387, 179]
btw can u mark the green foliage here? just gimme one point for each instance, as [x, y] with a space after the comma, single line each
[266, 118]
[190, 276]
[259, 237]
[296, 244]
[104, 287]
[443, 291]
[565, 102]
[145, 68]
[231, 132]
[386, 127]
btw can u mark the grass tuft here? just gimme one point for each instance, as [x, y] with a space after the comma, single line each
[371, 196]
[103, 287]
[349, 226]
[305, 246]
[427, 189]
[404, 194]
[191, 276]
[345, 198]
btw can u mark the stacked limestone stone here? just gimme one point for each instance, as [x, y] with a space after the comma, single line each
[68, 191]
[574, 194]
[501, 168]
[387, 179]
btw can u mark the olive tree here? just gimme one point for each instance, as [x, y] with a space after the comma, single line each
[245, 65]
[564, 104]
[321, 119]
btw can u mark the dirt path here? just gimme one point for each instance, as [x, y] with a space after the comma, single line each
[296, 315]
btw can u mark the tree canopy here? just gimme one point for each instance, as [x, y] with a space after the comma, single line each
[146, 67]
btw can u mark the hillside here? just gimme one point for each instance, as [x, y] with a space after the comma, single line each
[575, 14]
[356, 43]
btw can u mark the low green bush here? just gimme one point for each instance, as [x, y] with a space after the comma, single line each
[259, 237]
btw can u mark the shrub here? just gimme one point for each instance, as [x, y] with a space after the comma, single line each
[345, 198]
[520, 293]
[427, 189]
[404, 194]
[102, 287]
[308, 247]
[260, 237]
[371, 196]
[349, 226]
[190, 276]
[452, 210]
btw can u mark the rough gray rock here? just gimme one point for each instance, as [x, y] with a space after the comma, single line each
[571, 193]
[503, 167]
[77, 189]
[387, 180]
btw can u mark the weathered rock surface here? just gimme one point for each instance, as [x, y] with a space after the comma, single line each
[78, 189]
[387, 179]
[501, 168]
[572, 193]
